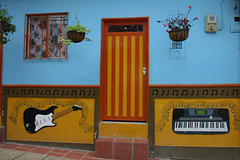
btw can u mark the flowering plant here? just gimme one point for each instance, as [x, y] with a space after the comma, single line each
[179, 22]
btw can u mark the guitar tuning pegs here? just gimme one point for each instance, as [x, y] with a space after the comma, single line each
[76, 107]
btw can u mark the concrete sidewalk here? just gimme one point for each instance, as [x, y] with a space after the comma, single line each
[8, 154]
[16, 151]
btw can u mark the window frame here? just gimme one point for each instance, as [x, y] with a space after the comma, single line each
[27, 31]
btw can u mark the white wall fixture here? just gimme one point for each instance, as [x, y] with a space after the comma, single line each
[177, 50]
[235, 23]
[210, 23]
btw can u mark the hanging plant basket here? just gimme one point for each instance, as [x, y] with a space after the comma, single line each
[178, 34]
[178, 27]
[5, 26]
[75, 36]
[75, 33]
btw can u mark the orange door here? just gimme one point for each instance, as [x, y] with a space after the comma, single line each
[124, 69]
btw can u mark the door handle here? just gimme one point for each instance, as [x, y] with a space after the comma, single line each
[144, 70]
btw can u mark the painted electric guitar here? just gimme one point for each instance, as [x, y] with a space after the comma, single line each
[35, 119]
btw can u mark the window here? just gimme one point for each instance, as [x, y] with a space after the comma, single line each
[42, 36]
[125, 28]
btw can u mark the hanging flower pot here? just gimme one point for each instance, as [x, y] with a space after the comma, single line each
[179, 34]
[75, 36]
[178, 27]
[5, 26]
[75, 33]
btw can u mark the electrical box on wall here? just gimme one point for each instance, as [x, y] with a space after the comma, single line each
[177, 50]
[211, 23]
[235, 24]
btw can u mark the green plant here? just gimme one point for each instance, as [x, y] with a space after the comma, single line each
[76, 28]
[5, 19]
[66, 41]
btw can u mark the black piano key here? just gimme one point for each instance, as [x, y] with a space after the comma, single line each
[185, 125]
[196, 125]
[217, 125]
[222, 125]
[211, 124]
[206, 124]
[180, 125]
[191, 125]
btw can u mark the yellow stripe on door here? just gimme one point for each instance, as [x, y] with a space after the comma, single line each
[117, 70]
[109, 76]
[125, 66]
[133, 76]
[140, 76]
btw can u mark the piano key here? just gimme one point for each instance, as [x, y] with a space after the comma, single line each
[184, 124]
[176, 127]
[211, 124]
[217, 124]
[222, 125]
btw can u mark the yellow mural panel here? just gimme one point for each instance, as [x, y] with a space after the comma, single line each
[165, 136]
[50, 120]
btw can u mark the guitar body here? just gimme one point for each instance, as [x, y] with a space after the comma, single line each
[35, 119]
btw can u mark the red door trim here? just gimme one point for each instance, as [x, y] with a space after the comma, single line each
[1, 63]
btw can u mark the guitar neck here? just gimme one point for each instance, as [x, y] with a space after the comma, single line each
[59, 114]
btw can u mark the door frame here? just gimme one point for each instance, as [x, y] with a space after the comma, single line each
[104, 22]
[1, 73]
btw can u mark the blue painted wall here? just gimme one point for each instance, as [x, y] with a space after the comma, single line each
[210, 58]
